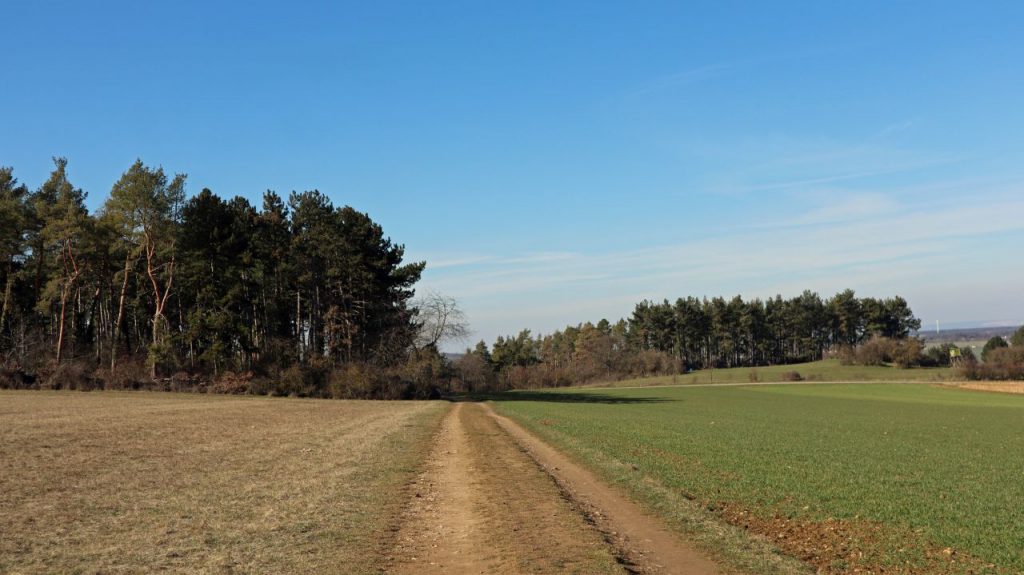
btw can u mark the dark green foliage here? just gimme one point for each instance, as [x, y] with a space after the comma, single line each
[719, 333]
[992, 344]
[668, 338]
[1018, 337]
[939, 355]
[967, 353]
[515, 351]
[286, 299]
[215, 256]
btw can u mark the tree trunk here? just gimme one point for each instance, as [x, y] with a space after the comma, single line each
[159, 299]
[120, 314]
[60, 332]
[156, 329]
[8, 284]
[298, 321]
[71, 273]
[96, 314]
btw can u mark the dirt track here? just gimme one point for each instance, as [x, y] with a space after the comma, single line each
[494, 499]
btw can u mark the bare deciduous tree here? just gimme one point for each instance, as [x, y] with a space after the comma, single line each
[440, 319]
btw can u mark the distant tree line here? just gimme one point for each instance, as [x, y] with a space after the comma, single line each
[692, 333]
[158, 286]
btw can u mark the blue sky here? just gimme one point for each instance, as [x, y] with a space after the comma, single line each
[556, 162]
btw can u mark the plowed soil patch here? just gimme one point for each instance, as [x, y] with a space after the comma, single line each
[844, 546]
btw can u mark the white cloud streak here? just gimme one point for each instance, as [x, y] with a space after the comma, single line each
[866, 241]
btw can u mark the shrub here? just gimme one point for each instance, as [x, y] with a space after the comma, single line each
[352, 381]
[991, 345]
[651, 362]
[937, 356]
[474, 373]
[130, 373]
[847, 355]
[426, 372]
[791, 376]
[906, 353]
[968, 354]
[181, 381]
[1003, 363]
[875, 351]
[261, 385]
[301, 381]
[15, 379]
[72, 375]
[232, 383]
[161, 357]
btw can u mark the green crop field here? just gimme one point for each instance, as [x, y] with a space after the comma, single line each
[910, 477]
[825, 370]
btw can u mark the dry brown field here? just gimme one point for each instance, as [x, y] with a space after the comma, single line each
[145, 482]
[999, 386]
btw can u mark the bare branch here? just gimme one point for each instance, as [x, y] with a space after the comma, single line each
[441, 320]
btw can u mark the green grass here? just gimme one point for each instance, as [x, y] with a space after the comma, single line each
[824, 370]
[943, 465]
[975, 344]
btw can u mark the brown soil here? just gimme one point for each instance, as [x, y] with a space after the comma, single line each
[641, 541]
[494, 499]
[482, 506]
[1001, 387]
[844, 546]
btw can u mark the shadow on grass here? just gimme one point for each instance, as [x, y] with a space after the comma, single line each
[560, 397]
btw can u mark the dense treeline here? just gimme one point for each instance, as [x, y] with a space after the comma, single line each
[157, 284]
[692, 333]
[720, 333]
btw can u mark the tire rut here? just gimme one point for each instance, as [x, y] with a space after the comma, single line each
[482, 505]
[641, 541]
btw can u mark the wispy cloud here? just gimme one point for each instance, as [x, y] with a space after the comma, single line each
[782, 163]
[841, 208]
[893, 129]
[677, 79]
[831, 179]
[457, 261]
[704, 72]
[540, 257]
[868, 241]
[476, 260]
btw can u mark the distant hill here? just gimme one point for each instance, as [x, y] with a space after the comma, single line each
[965, 334]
